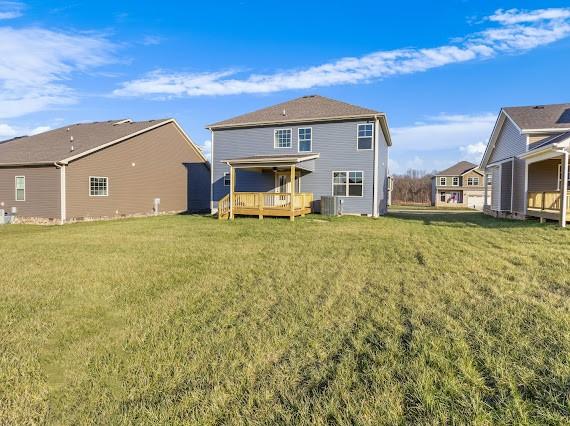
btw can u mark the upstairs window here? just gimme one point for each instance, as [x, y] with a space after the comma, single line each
[365, 136]
[305, 139]
[473, 181]
[455, 181]
[226, 179]
[98, 186]
[282, 138]
[20, 188]
[348, 184]
[442, 181]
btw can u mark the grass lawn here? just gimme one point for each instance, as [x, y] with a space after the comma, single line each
[412, 319]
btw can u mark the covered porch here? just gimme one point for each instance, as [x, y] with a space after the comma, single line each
[285, 199]
[547, 181]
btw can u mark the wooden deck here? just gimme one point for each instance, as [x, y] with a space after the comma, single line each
[263, 204]
[545, 205]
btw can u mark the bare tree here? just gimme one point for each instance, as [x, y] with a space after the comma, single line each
[413, 187]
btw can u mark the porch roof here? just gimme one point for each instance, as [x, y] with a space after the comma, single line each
[549, 148]
[280, 160]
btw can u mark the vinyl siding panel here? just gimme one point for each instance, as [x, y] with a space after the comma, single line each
[495, 187]
[519, 201]
[336, 142]
[543, 176]
[506, 185]
[510, 143]
[42, 191]
[163, 164]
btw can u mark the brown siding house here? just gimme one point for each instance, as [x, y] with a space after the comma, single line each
[461, 185]
[103, 169]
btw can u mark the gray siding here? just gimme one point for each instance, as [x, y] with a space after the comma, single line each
[495, 186]
[518, 185]
[506, 185]
[509, 143]
[336, 144]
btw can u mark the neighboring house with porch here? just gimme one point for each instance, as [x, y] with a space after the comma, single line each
[461, 185]
[103, 169]
[526, 162]
[326, 147]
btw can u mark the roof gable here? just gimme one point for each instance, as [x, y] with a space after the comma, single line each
[306, 108]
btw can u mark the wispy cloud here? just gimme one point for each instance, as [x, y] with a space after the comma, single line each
[473, 152]
[37, 63]
[7, 131]
[11, 9]
[444, 132]
[511, 31]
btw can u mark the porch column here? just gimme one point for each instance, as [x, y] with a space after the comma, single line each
[232, 190]
[293, 192]
[564, 190]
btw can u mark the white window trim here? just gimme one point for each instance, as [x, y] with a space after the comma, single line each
[444, 180]
[347, 184]
[275, 138]
[224, 178]
[299, 139]
[358, 136]
[98, 177]
[16, 188]
[453, 181]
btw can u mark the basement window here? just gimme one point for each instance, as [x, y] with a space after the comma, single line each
[98, 186]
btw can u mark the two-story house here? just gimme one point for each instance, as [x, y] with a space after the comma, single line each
[326, 147]
[527, 163]
[461, 185]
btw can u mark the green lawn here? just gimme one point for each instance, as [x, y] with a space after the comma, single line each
[437, 319]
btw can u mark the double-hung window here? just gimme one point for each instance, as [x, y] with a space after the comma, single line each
[305, 139]
[473, 181]
[365, 136]
[442, 181]
[20, 188]
[455, 181]
[282, 138]
[348, 184]
[98, 186]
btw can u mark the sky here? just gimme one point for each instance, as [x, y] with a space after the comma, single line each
[441, 70]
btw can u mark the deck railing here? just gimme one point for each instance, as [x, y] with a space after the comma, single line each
[546, 200]
[266, 203]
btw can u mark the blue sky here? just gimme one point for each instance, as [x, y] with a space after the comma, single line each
[440, 70]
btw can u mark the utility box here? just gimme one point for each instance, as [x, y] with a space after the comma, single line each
[330, 206]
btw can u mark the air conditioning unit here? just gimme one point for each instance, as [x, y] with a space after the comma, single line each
[330, 206]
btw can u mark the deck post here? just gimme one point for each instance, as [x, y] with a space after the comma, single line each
[293, 192]
[232, 190]
[260, 202]
[564, 189]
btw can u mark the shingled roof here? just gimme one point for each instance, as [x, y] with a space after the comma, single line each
[306, 108]
[55, 145]
[457, 169]
[556, 116]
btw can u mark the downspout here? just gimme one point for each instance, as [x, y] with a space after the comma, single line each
[564, 198]
[375, 162]
[212, 173]
[62, 192]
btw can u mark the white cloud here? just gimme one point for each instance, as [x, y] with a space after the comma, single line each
[11, 9]
[7, 131]
[444, 132]
[151, 40]
[206, 148]
[473, 152]
[517, 31]
[37, 63]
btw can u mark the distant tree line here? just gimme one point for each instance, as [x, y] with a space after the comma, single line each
[412, 187]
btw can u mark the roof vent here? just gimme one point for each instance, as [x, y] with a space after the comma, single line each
[284, 113]
[309, 96]
[71, 149]
[71, 138]
[128, 120]
[538, 107]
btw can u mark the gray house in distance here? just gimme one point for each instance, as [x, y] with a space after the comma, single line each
[324, 146]
[526, 163]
